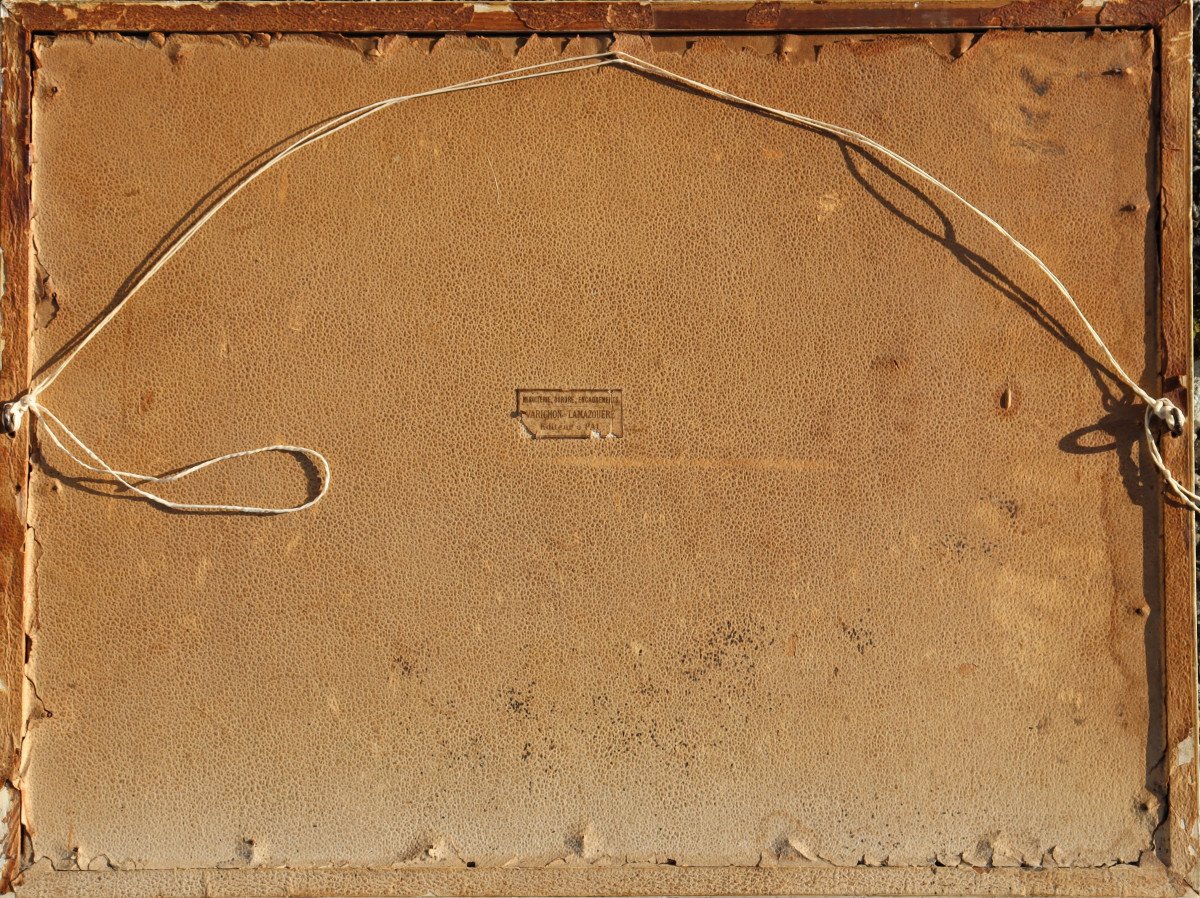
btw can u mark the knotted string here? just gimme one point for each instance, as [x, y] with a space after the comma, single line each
[12, 414]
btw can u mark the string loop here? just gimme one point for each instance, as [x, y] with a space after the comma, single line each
[12, 414]
[1169, 413]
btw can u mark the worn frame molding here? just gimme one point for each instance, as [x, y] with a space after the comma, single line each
[575, 16]
[1175, 868]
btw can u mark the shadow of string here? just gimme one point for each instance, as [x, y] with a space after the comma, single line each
[1119, 422]
[1120, 419]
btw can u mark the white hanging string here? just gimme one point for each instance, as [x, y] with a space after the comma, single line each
[1161, 408]
[12, 413]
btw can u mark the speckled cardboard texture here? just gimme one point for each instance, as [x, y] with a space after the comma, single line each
[868, 575]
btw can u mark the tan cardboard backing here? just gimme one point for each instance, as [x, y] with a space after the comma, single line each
[870, 575]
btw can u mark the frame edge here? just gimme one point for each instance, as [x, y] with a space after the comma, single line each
[15, 252]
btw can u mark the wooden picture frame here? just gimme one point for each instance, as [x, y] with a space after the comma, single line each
[1169, 22]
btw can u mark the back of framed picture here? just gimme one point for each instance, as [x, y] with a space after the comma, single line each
[598, 449]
